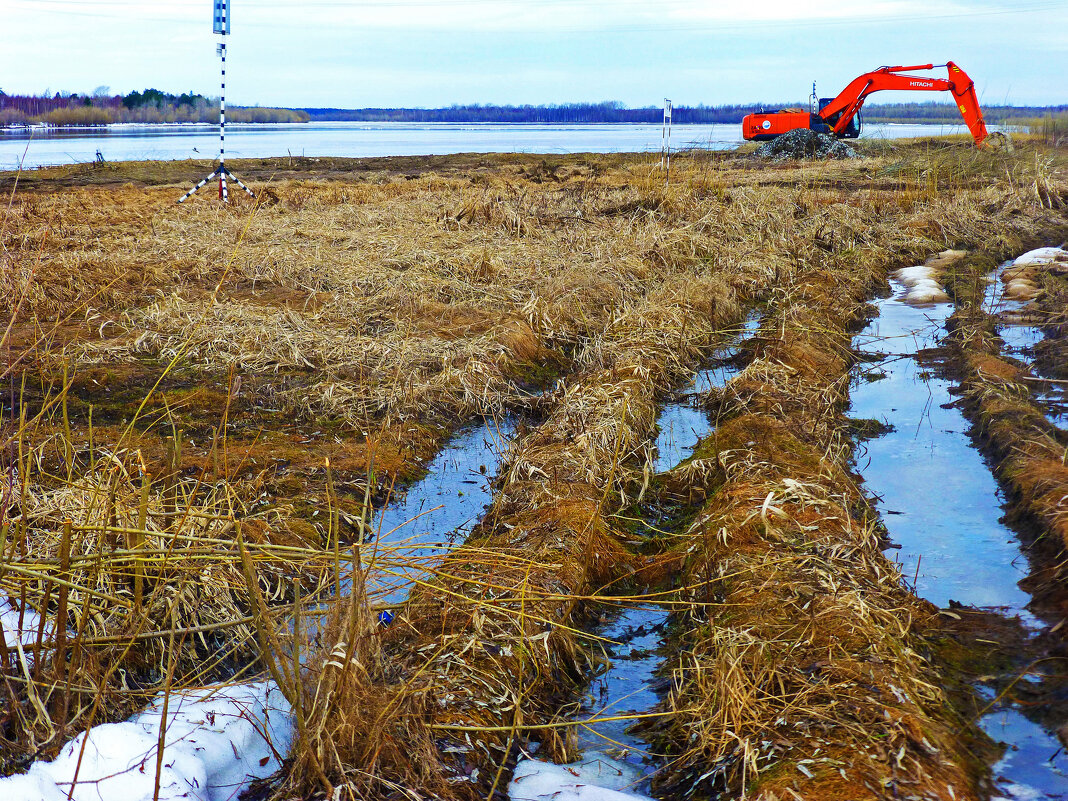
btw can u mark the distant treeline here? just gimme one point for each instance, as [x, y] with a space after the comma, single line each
[613, 112]
[562, 113]
[149, 106]
[154, 106]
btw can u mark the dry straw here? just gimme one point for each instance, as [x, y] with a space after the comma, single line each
[362, 319]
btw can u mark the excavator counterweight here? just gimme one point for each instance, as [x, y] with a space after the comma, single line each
[840, 115]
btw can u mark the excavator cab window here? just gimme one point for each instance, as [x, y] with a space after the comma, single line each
[852, 130]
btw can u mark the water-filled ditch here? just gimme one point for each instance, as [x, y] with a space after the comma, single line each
[612, 756]
[944, 511]
[423, 523]
[682, 422]
[1021, 334]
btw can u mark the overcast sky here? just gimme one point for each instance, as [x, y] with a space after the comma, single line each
[439, 52]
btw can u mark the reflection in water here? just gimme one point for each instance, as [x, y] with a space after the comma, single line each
[1020, 338]
[937, 497]
[1033, 766]
[941, 504]
[418, 527]
[435, 514]
[627, 686]
[682, 423]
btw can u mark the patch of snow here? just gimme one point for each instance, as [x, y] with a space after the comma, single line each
[1022, 289]
[595, 777]
[1021, 276]
[31, 622]
[217, 740]
[909, 276]
[922, 284]
[928, 291]
[1042, 256]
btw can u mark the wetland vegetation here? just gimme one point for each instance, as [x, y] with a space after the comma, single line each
[205, 409]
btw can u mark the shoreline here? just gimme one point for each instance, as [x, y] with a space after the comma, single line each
[434, 124]
[255, 142]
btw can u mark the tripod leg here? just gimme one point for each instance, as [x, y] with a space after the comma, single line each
[237, 181]
[196, 188]
[222, 186]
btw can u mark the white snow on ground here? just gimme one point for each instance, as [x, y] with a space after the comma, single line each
[923, 285]
[1021, 277]
[1042, 256]
[217, 740]
[595, 777]
[31, 622]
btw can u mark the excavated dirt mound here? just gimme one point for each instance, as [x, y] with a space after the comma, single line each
[805, 144]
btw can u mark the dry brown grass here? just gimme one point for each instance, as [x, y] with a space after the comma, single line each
[361, 318]
[488, 645]
[1029, 450]
[135, 576]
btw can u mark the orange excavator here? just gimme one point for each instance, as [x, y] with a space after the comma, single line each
[840, 115]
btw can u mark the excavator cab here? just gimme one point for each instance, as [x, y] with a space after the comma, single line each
[852, 131]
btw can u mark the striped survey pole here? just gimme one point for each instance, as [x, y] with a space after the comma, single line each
[223, 196]
[665, 140]
[220, 26]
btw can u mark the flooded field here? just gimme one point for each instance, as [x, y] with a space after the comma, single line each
[537, 477]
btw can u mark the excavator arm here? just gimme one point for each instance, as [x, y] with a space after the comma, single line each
[842, 109]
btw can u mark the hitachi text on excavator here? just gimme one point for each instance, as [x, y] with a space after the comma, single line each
[840, 115]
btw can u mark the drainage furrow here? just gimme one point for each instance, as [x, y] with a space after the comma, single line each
[608, 747]
[797, 668]
[480, 658]
[944, 511]
[409, 536]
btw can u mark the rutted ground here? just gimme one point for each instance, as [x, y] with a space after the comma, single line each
[314, 351]
[801, 665]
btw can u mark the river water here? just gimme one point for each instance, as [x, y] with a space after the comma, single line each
[50, 146]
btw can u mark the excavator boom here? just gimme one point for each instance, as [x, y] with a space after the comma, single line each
[837, 116]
